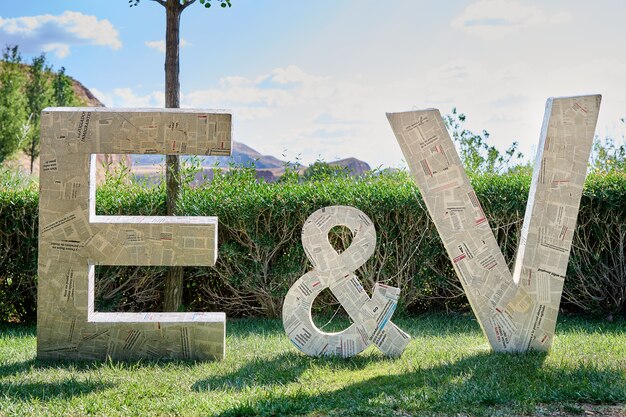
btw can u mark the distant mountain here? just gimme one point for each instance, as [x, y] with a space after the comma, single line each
[353, 165]
[242, 155]
[267, 167]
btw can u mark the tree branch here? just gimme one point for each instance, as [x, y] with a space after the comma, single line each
[185, 5]
[161, 2]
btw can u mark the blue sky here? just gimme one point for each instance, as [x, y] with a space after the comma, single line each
[313, 79]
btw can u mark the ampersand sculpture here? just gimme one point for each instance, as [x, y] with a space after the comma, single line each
[370, 316]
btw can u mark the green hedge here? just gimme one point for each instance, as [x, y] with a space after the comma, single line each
[260, 254]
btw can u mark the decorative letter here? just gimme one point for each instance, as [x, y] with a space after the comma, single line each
[516, 311]
[371, 316]
[72, 239]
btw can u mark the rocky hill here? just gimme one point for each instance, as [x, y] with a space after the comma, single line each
[267, 167]
[80, 90]
[85, 95]
[353, 166]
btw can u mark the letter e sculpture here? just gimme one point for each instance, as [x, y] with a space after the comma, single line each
[72, 238]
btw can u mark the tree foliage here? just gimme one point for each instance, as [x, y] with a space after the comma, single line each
[477, 155]
[261, 254]
[608, 156]
[13, 114]
[205, 3]
[63, 91]
[39, 95]
[320, 171]
[24, 92]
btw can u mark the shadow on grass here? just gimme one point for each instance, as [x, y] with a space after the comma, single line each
[248, 326]
[285, 368]
[575, 323]
[472, 384]
[46, 391]
[42, 391]
[14, 368]
[431, 324]
[17, 330]
[469, 384]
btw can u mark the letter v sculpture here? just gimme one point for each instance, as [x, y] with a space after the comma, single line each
[517, 311]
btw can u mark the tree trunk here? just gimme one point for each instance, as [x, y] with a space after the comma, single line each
[173, 297]
[32, 155]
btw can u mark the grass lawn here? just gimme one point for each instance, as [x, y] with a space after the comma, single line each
[448, 369]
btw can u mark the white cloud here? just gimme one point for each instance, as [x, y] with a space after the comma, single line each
[160, 45]
[61, 50]
[104, 98]
[293, 112]
[126, 97]
[264, 94]
[493, 19]
[560, 17]
[291, 75]
[58, 33]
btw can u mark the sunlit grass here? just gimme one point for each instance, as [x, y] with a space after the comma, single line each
[447, 369]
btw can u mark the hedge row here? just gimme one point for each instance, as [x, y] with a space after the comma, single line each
[260, 254]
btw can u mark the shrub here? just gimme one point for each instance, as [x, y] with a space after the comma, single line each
[18, 246]
[260, 254]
